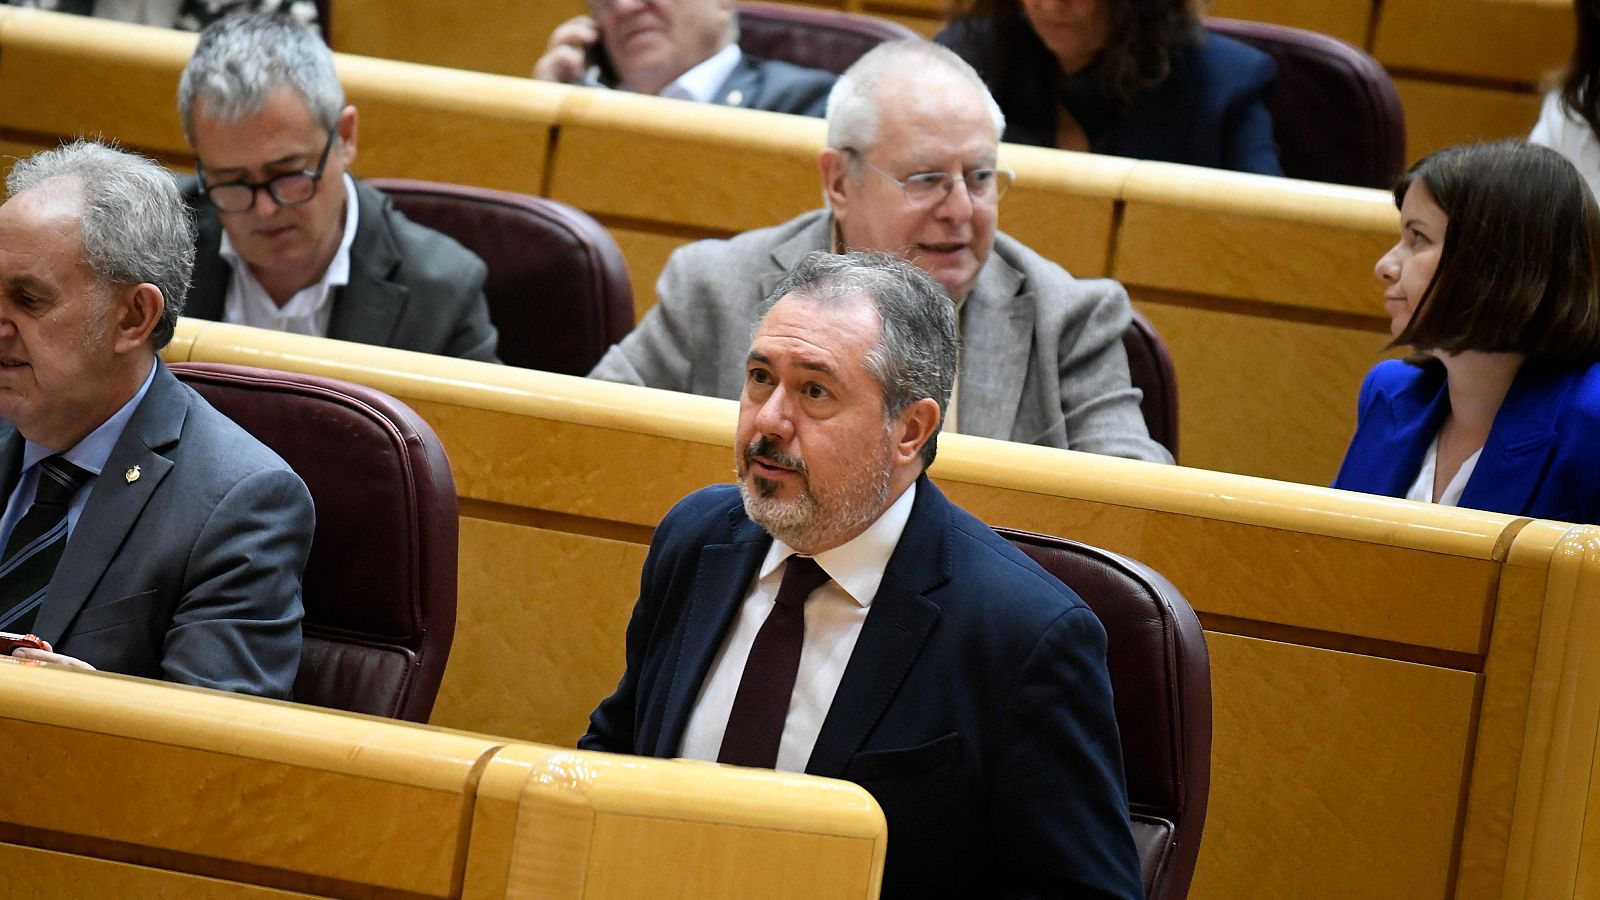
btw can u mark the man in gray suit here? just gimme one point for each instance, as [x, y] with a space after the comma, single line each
[287, 239]
[682, 49]
[911, 168]
[143, 532]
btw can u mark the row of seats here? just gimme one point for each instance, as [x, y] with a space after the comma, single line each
[1447, 653]
[1465, 69]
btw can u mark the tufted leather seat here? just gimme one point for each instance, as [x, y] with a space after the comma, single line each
[819, 38]
[1150, 369]
[1161, 678]
[1335, 111]
[557, 287]
[380, 586]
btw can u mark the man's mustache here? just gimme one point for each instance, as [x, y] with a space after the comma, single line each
[765, 448]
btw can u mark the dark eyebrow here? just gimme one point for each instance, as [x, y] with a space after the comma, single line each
[756, 356]
[281, 162]
[30, 284]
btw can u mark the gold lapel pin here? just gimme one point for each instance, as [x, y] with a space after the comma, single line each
[131, 475]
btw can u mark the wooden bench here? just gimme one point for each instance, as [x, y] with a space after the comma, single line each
[1407, 696]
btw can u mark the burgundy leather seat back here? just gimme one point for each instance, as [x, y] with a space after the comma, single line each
[380, 586]
[1161, 678]
[1335, 111]
[819, 38]
[557, 286]
[1151, 371]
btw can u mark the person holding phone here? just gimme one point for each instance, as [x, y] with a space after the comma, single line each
[682, 49]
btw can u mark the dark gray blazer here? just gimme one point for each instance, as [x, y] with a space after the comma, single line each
[191, 571]
[1042, 358]
[777, 87]
[410, 288]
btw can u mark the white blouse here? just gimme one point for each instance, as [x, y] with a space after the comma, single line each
[1422, 488]
[1567, 134]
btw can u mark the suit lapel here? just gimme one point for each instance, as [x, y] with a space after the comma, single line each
[10, 462]
[721, 579]
[367, 309]
[816, 235]
[1412, 417]
[898, 625]
[997, 323]
[1521, 440]
[115, 502]
[742, 87]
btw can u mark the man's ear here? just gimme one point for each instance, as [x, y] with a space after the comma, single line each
[347, 134]
[135, 312]
[835, 181]
[914, 428]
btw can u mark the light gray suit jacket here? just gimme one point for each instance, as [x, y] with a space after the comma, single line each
[190, 572]
[1042, 357]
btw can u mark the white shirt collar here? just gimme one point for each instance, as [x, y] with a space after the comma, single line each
[308, 311]
[857, 565]
[700, 83]
[91, 453]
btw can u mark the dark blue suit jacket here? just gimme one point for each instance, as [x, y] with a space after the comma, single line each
[1211, 111]
[1540, 459]
[777, 86]
[975, 707]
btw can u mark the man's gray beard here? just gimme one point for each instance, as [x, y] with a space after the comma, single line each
[806, 522]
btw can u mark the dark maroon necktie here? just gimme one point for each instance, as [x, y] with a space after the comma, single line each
[755, 725]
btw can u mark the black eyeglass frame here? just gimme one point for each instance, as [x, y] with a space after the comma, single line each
[269, 185]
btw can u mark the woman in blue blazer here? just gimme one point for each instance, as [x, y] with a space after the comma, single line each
[1495, 284]
[1137, 78]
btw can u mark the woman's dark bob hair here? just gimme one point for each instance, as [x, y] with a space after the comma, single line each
[1142, 38]
[1519, 271]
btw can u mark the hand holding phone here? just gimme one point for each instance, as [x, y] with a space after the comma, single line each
[567, 57]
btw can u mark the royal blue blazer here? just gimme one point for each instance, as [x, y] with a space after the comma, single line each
[1542, 458]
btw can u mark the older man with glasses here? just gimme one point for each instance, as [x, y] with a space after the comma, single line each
[912, 168]
[287, 239]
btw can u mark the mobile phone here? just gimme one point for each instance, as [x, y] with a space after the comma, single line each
[10, 642]
[598, 61]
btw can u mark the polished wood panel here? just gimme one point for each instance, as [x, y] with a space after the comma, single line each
[1406, 768]
[1507, 40]
[1063, 205]
[1344, 19]
[505, 37]
[27, 873]
[1444, 115]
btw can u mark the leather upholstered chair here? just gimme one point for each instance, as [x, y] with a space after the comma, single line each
[380, 586]
[820, 38]
[557, 286]
[1151, 371]
[1335, 111]
[1161, 679]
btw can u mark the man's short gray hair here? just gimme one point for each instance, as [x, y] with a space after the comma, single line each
[134, 225]
[917, 352]
[242, 59]
[853, 103]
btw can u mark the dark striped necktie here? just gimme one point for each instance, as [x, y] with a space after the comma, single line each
[755, 723]
[36, 543]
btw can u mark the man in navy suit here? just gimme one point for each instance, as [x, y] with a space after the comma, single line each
[835, 614]
[683, 49]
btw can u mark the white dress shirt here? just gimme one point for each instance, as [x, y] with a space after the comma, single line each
[308, 311]
[701, 82]
[834, 615]
[89, 454]
[1569, 135]
[1422, 488]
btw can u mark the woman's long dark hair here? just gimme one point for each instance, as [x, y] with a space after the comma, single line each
[1580, 90]
[1142, 39]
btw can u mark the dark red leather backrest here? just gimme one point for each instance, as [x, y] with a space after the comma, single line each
[1335, 111]
[820, 38]
[1150, 369]
[1161, 678]
[557, 287]
[380, 587]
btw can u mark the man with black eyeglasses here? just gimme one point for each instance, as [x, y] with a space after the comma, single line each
[912, 168]
[280, 244]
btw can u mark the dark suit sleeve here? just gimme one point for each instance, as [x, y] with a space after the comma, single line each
[1248, 141]
[237, 626]
[1060, 805]
[474, 336]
